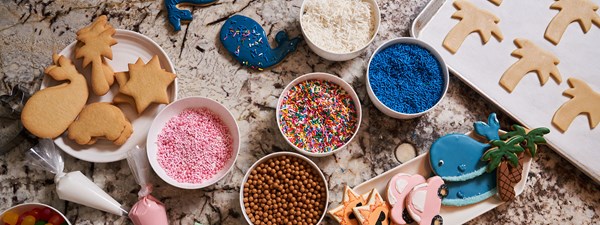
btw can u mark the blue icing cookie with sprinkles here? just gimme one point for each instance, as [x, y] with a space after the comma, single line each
[177, 15]
[248, 43]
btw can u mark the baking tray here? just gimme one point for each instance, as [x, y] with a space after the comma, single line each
[481, 66]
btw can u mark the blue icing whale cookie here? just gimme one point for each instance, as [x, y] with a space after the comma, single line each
[248, 43]
[457, 157]
[471, 191]
[177, 15]
[490, 129]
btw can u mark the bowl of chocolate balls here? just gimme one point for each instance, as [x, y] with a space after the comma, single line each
[284, 188]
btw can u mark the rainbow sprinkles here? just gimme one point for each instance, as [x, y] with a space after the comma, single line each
[317, 116]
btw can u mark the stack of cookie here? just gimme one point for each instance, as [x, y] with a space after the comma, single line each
[52, 111]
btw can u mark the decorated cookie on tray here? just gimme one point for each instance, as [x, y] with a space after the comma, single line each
[248, 43]
[475, 170]
[397, 191]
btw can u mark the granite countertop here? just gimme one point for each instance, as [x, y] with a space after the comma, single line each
[31, 30]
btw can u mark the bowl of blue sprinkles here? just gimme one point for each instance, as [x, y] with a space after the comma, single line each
[406, 78]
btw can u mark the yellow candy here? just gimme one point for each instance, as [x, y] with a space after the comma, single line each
[28, 220]
[11, 218]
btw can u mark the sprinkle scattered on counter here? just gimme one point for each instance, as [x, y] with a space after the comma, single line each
[194, 145]
[318, 116]
[406, 78]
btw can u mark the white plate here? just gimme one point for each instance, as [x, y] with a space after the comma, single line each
[174, 109]
[450, 214]
[131, 45]
[531, 104]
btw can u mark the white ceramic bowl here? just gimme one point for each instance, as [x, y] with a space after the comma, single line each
[388, 111]
[174, 109]
[273, 155]
[22, 208]
[333, 56]
[326, 77]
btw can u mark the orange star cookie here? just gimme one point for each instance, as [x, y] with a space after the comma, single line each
[147, 83]
[376, 211]
[343, 213]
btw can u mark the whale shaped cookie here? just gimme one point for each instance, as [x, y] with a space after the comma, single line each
[248, 43]
[49, 112]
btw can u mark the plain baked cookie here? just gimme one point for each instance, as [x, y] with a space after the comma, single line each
[532, 58]
[121, 98]
[147, 83]
[100, 120]
[49, 112]
[583, 100]
[496, 2]
[95, 44]
[472, 19]
[582, 11]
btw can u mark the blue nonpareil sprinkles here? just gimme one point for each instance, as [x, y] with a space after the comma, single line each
[406, 78]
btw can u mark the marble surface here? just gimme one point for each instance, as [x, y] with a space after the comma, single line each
[30, 30]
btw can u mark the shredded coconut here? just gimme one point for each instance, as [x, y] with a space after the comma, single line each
[339, 26]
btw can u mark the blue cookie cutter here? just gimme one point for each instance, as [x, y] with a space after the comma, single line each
[177, 15]
[248, 43]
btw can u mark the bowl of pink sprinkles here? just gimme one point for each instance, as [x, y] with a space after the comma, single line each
[193, 143]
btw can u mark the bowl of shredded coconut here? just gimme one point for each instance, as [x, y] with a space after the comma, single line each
[339, 30]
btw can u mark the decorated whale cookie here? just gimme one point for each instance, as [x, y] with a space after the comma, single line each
[398, 188]
[472, 19]
[472, 191]
[375, 212]
[423, 203]
[177, 15]
[248, 43]
[457, 157]
[343, 213]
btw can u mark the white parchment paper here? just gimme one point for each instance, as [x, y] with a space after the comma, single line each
[530, 103]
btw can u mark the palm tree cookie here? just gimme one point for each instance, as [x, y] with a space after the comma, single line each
[581, 11]
[532, 58]
[94, 45]
[506, 157]
[583, 100]
[472, 19]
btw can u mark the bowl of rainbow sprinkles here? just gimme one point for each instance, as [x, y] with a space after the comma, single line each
[318, 114]
[339, 30]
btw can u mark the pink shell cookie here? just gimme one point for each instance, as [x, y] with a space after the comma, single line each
[424, 201]
[398, 188]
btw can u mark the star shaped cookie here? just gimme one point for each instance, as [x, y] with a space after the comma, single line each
[147, 83]
[343, 213]
[376, 210]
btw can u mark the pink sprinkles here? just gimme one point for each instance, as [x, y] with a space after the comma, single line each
[194, 145]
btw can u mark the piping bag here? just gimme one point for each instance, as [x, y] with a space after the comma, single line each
[71, 186]
[148, 210]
